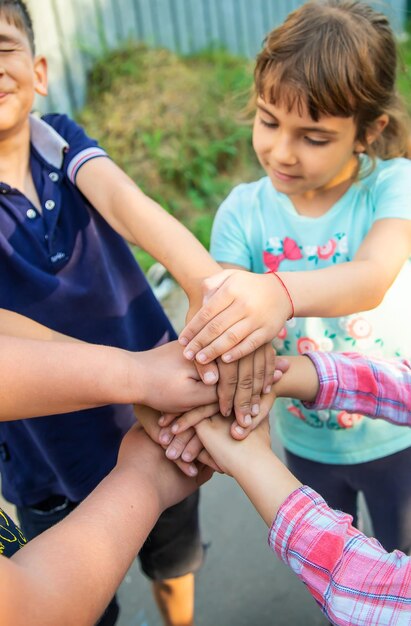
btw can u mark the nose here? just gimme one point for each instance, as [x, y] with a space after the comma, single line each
[282, 150]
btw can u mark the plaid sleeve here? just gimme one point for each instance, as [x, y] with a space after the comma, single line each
[357, 384]
[353, 579]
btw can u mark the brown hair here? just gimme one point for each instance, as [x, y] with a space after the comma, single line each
[336, 57]
[15, 12]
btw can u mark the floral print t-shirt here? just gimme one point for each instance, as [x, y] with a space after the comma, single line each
[259, 229]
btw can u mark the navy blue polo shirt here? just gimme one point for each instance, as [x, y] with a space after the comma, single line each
[68, 269]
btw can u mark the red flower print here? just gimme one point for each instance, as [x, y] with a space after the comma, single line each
[272, 261]
[291, 250]
[359, 328]
[283, 333]
[327, 250]
[348, 420]
[296, 411]
[305, 344]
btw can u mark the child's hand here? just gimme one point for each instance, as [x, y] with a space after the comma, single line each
[242, 383]
[148, 418]
[242, 311]
[180, 424]
[138, 450]
[229, 454]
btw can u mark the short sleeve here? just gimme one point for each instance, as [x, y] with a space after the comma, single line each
[392, 190]
[82, 148]
[228, 236]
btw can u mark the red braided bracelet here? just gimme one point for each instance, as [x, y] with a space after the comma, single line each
[287, 292]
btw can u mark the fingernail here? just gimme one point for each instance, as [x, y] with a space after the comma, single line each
[161, 420]
[201, 357]
[189, 354]
[210, 377]
[175, 428]
[183, 341]
[171, 453]
[227, 358]
[267, 389]
[255, 409]
[192, 470]
[165, 438]
[187, 456]
[247, 420]
[239, 430]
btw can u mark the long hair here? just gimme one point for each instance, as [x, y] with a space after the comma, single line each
[337, 58]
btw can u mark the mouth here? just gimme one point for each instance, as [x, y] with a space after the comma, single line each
[284, 177]
[4, 94]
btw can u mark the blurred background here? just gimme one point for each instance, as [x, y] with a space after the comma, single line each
[162, 85]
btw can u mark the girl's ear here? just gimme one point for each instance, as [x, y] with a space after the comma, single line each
[373, 132]
[40, 76]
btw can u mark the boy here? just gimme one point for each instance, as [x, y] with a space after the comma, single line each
[82, 557]
[64, 208]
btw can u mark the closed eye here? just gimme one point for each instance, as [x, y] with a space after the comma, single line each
[316, 142]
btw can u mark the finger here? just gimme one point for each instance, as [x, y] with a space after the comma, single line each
[214, 305]
[248, 345]
[270, 365]
[281, 366]
[258, 379]
[239, 432]
[243, 393]
[192, 449]
[208, 373]
[189, 469]
[223, 323]
[193, 417]
[165, 436]
[229, 337]
[178, 444]
[167, 418]
[226, 387]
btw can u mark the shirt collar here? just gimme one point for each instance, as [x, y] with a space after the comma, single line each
[49, 144]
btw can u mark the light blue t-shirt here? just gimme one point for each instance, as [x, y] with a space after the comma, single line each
[258, 228]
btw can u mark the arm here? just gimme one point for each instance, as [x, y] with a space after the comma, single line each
[143, 222]
[233, 324]
[16, 325]
[82, 375]
[351, 382]
[86, 556]
[351, 576]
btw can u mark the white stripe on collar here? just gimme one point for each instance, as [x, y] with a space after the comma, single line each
[48, 143]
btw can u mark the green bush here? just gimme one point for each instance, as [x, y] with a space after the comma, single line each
[174, 125]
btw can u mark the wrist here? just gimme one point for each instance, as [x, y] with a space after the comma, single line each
[289, 302]
[300, 381]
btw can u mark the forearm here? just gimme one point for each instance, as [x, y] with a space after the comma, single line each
[342, 289]
[150, 227]
[266, 482]
[300, 381]
[351, 576]
[102, 535]
[79, 375]
[16, 325]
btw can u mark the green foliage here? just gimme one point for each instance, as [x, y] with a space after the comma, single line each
[175, 125]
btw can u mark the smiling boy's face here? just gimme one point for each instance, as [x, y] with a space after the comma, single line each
[21, 76]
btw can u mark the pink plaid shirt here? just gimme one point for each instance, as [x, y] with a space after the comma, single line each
[353, 579]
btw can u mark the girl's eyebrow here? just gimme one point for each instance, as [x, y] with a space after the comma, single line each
[305, 129]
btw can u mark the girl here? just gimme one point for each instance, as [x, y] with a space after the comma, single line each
[329, 132]
[352, 578]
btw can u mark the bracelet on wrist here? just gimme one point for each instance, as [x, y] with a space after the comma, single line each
[287, 292]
